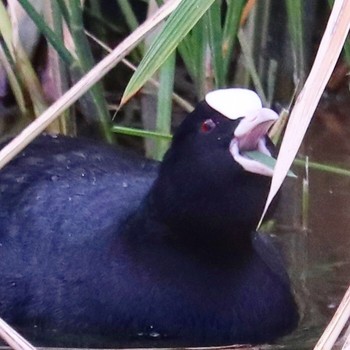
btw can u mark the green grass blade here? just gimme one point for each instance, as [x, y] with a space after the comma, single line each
[140, 132]
[230, 31]
[128, 14]
[193, 52]
[132, 23]
[85, 62]
[164, 107]
[322, 167]
[175, 29]
[215, 41]
[186, 54]
[199, 45]
[295, 24]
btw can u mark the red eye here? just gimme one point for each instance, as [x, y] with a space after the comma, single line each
[208, 125]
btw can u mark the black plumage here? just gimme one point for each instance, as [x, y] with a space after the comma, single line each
[96, 240]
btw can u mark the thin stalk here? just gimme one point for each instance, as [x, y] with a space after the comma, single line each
[199, 47]
[131, 22]
[13, 338]
[322, 167]
[86, 62]
[341, 316]
[296, 30]
[248, 56]
[305, 197]
[261, 31]
[213, 19]
[140, 132]
[64, 10]
[164, 106]
[184, 49]
[230, 31]
[95, 7]
[128, 14]
[271, 81]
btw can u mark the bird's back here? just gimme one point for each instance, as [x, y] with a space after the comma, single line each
[65, 191]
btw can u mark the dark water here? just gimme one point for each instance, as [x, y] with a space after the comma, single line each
[318, 254]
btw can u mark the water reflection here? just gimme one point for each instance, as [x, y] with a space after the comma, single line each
[319, 256]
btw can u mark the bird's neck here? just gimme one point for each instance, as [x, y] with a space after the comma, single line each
[150, 225]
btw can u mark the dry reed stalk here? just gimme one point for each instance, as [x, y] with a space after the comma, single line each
[336, 325]
[12, 338]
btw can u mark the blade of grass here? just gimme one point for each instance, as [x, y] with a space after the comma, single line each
[164, 106]
[140, 132]
[86, 62]
[231, 27]
[175, 29]
[296, 30]
[192, 50]
[131, 21]
[128, 14]
[200, 58]
[322, 167]
[213, 19]
[185, 50]
[326, 58]
[76, 91]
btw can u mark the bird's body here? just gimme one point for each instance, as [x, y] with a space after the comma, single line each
[95, 240]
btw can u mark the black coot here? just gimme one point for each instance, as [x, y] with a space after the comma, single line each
[94, 240]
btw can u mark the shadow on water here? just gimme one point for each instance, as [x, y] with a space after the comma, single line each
[318, 255]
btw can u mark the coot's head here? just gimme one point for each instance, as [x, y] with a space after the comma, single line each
[206, 184]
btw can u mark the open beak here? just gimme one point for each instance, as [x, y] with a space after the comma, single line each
[250, 135]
